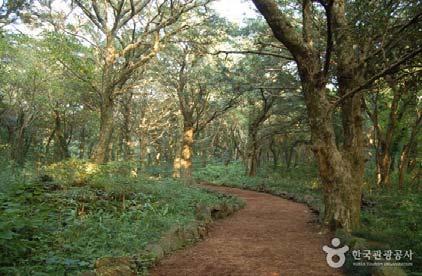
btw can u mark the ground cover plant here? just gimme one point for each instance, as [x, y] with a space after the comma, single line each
[50, 226]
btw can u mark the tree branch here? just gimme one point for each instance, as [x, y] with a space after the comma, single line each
[282, 27]
[254, 53]
[375, 77]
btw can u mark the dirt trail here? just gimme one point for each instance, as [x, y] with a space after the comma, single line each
[270, 236]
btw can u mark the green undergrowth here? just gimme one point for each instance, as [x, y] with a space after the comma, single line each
[75, 212]
[300, 184]
[390, 218]
[395, 221]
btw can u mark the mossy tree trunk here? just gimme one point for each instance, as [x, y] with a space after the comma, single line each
[340, 169]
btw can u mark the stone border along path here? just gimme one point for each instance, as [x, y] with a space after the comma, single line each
[270, 236]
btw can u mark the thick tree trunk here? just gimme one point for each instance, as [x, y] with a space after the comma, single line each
[102, 149]
[341, 172]
[108, 85]
[252, 164]
[343, 200]
[187, 153]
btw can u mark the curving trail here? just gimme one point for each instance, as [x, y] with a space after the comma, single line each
[270, 236]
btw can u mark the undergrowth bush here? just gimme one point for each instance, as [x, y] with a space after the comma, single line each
[299, 183]
[72, 172]
[56, 226]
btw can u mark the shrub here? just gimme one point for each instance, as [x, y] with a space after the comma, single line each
[72, 172]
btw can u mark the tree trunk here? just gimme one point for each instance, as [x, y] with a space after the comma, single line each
[383, 164]
[404, 158]
[108, 85]
[288, 152]
[176, 154]
[274, 154]
[176, 166]
[341, 172]
[252, 153]
[340, 169]
[101, 152]
[385, 144]
[62, 152]
[142, 152]
[82, 142]
[127, 145]
[187, 153]
[18, 144]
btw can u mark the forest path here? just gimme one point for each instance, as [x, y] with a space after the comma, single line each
[270, 236]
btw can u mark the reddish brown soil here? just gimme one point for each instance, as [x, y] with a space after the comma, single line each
[270, 236]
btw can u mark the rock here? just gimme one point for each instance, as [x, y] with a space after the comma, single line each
[308, 198]
[190, 233]
[171, 241]
[203, 213]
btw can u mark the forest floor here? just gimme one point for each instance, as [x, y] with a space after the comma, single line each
[270, 236]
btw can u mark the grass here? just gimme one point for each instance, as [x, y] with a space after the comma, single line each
[395, 219]
[61, 225]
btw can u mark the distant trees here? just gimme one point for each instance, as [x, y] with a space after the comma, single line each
[36, 96]
[125, 36]
[197, 80]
